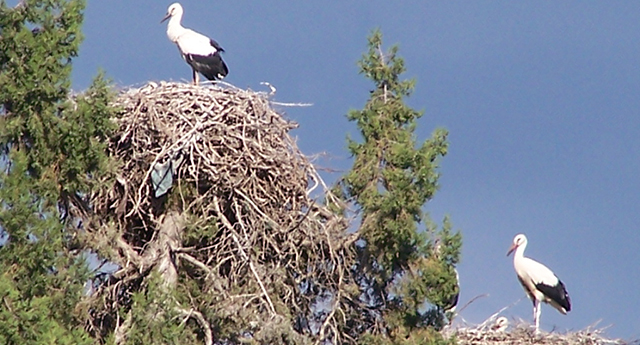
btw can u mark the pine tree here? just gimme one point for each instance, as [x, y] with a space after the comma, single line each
[51, 150]
[404, 275]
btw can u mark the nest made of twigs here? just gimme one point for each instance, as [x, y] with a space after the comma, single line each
[228, 142]
[255, 230]
[230, 138]
[524, 334]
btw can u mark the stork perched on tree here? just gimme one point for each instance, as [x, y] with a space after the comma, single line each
[539, 282]
[199, 51]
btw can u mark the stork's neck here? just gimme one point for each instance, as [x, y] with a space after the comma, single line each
[174, 28]
[519, 254]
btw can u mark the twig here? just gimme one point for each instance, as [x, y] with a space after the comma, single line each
[471, 301]
[491, 318]
[204, 324]
[244, 255]
[292, 104]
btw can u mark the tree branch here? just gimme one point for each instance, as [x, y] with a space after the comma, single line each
[226, 223]
[206, 328]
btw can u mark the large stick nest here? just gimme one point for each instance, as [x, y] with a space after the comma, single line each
[522, 333]
[247, 228]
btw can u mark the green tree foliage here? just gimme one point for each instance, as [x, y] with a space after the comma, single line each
[51, 150]
[405, 272]
[153, 320]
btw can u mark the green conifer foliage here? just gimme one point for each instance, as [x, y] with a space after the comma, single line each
[51, 150]
[401, 271]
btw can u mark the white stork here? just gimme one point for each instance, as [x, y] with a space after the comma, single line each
[199, 51]
[500, 325]
[539, 282]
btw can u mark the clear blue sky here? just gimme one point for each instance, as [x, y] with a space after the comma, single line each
[542, 101]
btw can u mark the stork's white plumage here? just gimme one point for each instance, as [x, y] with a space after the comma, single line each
[199, 51]
[539, 282]
[500, 325]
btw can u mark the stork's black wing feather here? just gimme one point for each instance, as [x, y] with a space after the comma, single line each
[557, 293]
[211, 66]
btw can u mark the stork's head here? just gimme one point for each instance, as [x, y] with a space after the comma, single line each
[501, 324]
[175, 10]
[518, 241]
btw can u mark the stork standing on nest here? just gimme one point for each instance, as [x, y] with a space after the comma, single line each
[199, 51]
[539, 282]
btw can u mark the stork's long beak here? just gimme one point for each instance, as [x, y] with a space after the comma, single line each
[513, 247]
[166, 17]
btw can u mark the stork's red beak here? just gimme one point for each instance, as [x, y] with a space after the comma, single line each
[513, 247]
[166, 17]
